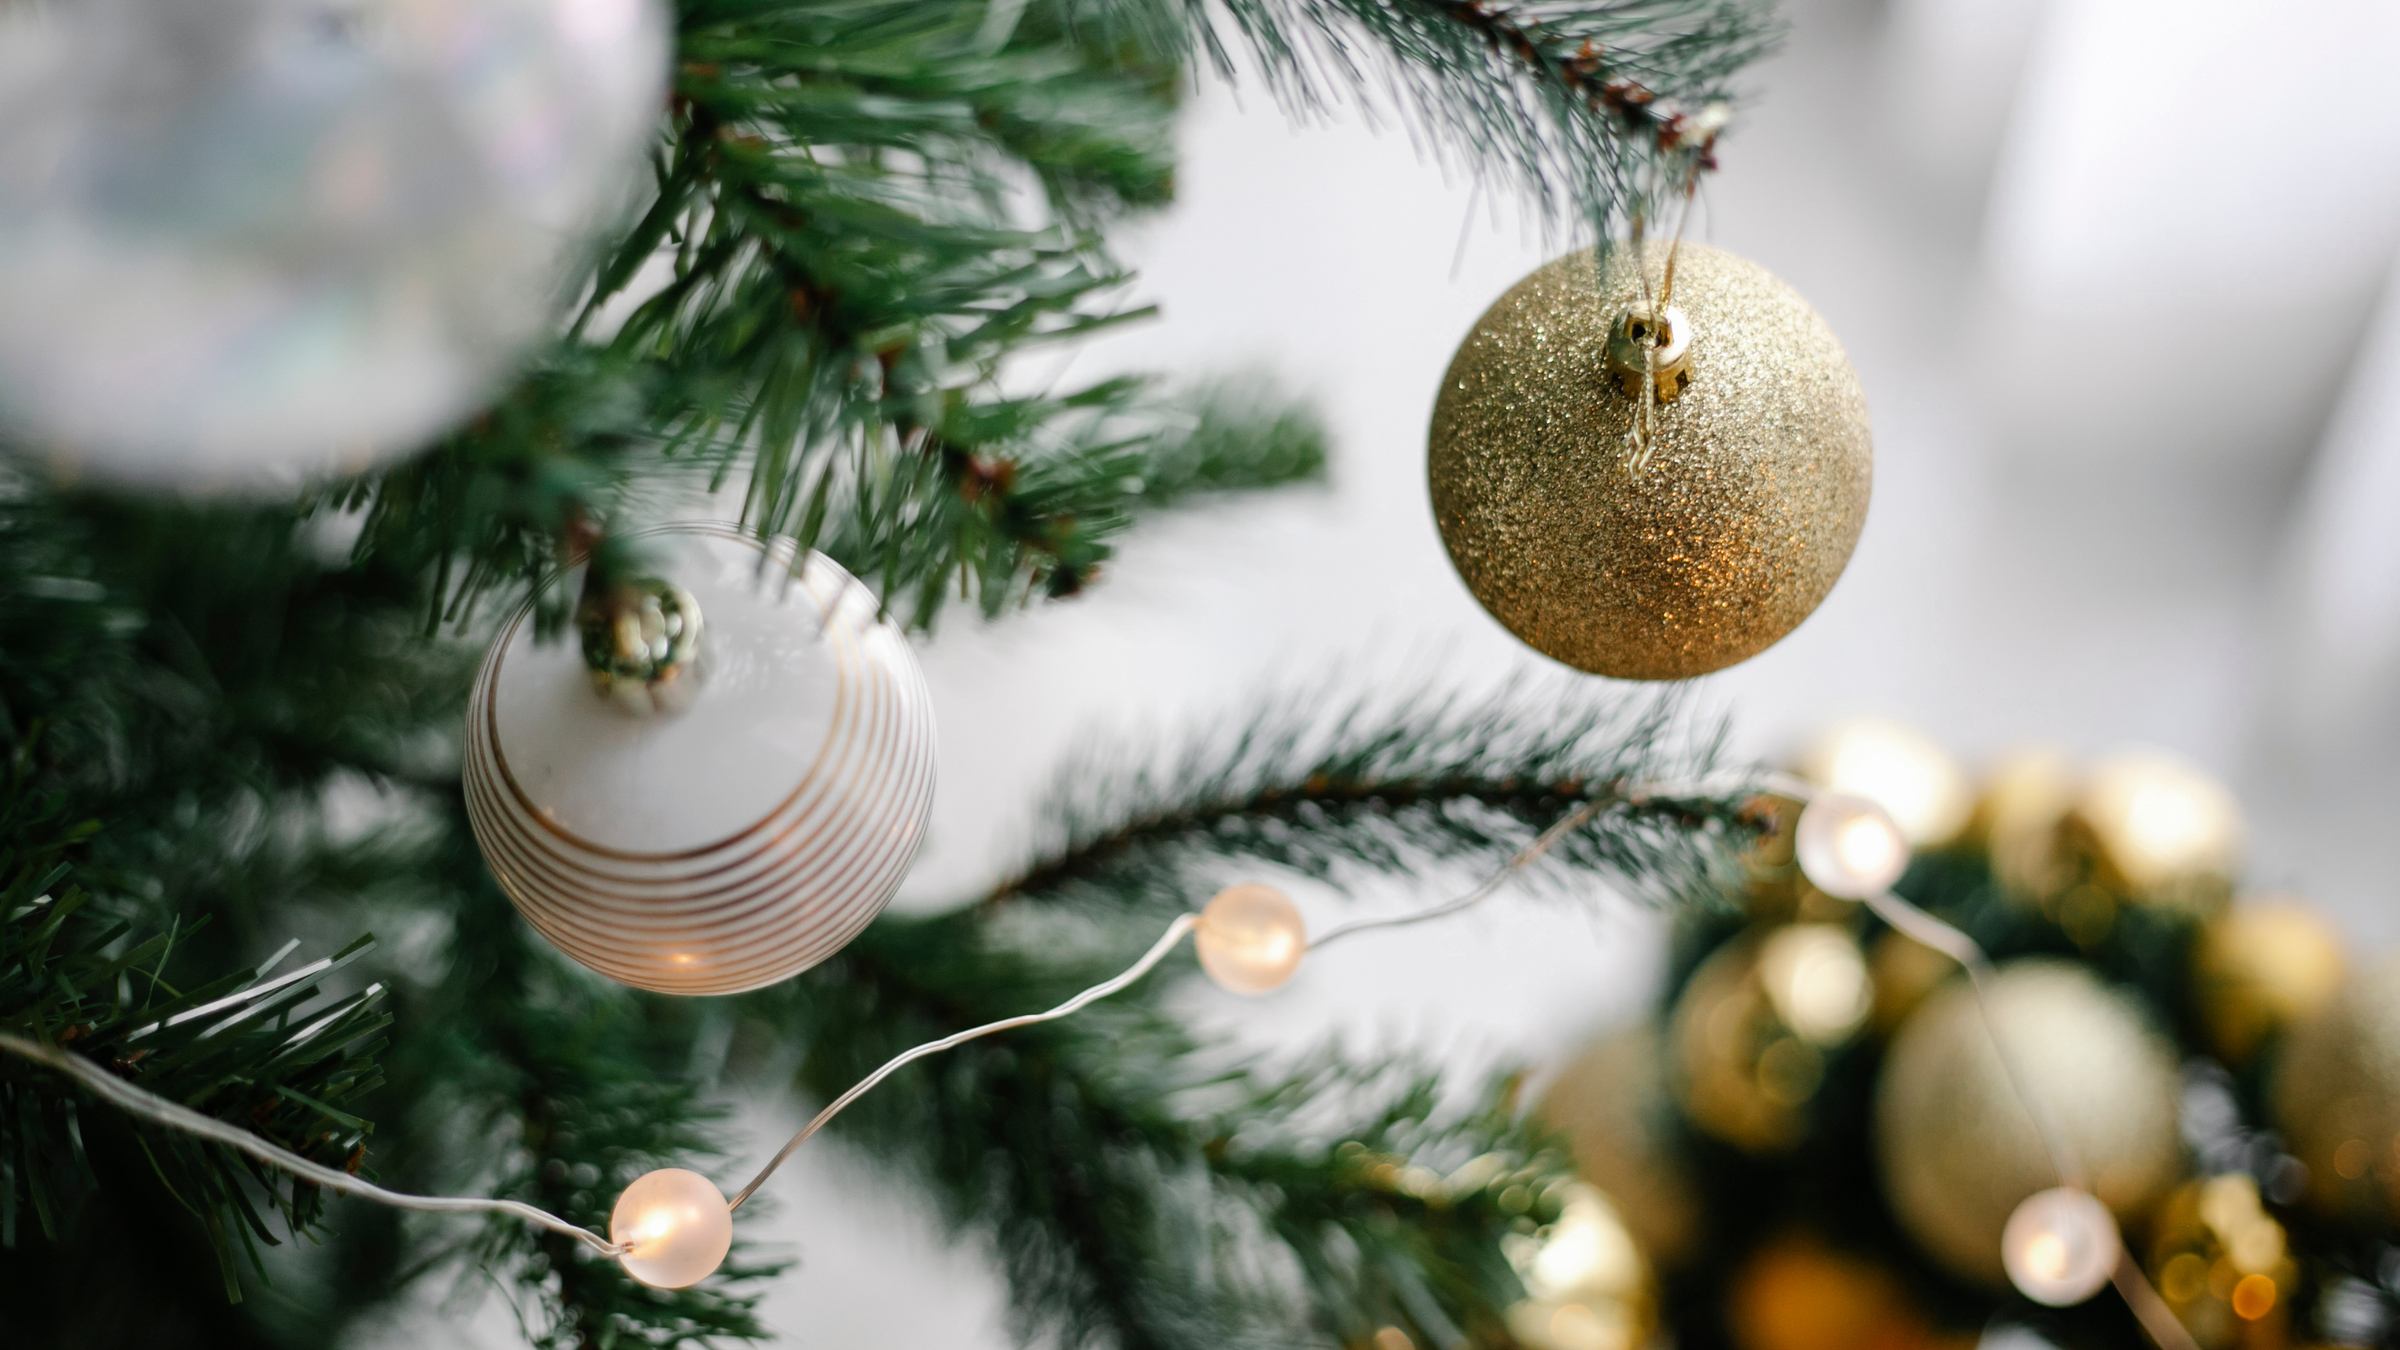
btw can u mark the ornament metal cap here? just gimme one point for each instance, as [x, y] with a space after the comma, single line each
[642, 642]
[1647, 340]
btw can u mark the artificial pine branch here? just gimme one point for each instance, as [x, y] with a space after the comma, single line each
[589, 1120]
[1138, 1192]
[866, 211]
[1002, 528]
[1140, 1189]
[535, 1080]
[1383, 786]
[247, 1047]
[206, 677]
[1592, 109]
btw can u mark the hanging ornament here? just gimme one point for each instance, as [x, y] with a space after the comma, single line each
[1957, 1145]
[1650, 497]
[2223, 1264]
[2026, 796]
[1586, 1284]
[2150, 829]
[2336, 1097]
[1901, 770]
[1612, 1104]
[247, 241]
[1752, 1028]
[2260, 967]
[736, 842]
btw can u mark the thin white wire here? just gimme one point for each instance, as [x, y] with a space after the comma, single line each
[1903, 916]
[1158, 951]
[1950, 942]
[1543, 843]
[1719, 784]
[1524, 858]
[150, 1106]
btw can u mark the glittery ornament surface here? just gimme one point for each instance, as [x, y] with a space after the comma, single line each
[1751, 498]
[246, 241]
[2336, 1098]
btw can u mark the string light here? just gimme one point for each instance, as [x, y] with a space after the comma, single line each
[1250, 938]
[1849, 847]
[158, 1110]
[674, 1226]
[2060, 1246]
[1158, 951]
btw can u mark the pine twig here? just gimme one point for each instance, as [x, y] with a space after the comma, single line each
[1431, 779]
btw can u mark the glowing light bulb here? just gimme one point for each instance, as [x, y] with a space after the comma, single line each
[1250, 938]
[2060, 1246]
[1849, 847]
[678, 1227]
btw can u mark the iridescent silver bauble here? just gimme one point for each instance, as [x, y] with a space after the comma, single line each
[246, 241]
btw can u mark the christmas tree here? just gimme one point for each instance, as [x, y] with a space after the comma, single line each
[240, 871]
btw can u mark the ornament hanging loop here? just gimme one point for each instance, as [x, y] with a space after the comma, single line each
[641, 639]
[1650, 343]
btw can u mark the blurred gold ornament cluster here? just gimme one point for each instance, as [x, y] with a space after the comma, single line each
[2127, 859]
[2131, 828]
[2223, 1264]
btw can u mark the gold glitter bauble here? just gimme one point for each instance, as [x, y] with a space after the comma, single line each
[1611, 1103]
[2026, 796]
[2336, 1098]
[1898, 768]
[2261, 967]
[2149, 828]
[1958, 1148]
[1750, 491]
[1753, 1025]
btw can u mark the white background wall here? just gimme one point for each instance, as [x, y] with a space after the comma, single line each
[2107, 270]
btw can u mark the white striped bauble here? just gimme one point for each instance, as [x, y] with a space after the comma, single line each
[734, 843]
